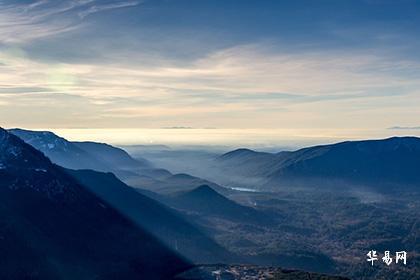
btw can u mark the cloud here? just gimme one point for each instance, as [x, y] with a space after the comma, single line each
[22, 90]
[240, 72]
[404, 128]
[246, 85]
[43, 18]
[99, 8]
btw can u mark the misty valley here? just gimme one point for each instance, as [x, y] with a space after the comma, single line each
[209, 140]
[313, 225]
[85, 210]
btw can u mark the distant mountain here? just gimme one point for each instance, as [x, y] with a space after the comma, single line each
[172, 184]
[381, 164]
[163, 222]
[106, 158]
[244, 167]
[84, 155]
[139, 148]
[52, 227]
[112, 156]
[244, 154]
[59, 150]
[191, 182]
[207, 202]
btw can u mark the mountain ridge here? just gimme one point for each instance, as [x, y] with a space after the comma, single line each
[163, 222]
[54, 228]
[389, 162]
[102, 157]
[205, 200]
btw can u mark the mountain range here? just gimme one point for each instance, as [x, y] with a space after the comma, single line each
[206, 202]
[53, 227]
[165, 223]
[385, 165]
[102, 157]
[82, 155]
[80, 159]
[81, 221]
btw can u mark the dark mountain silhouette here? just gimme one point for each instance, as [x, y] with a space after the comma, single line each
[172, 184]
[112, 156]
[89, 155]
[83, 155]
[207, 202]
[244, 154]
[381, 164]
[244, 167]
[52, 227]
[106, 158]
[59, 150]
[165, 223]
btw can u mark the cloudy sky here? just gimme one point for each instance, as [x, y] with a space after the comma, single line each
[293, 65]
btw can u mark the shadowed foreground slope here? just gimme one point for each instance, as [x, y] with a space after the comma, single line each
[53, 228]
[163, 222]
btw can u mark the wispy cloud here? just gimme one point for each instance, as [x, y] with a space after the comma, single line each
[99, 8]
[220, 87]
[25, 90]
[62, 64]
[23, 22]
[237, 73]
[404, 128]
[241, 82]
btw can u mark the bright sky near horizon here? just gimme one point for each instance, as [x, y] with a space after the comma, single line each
[222, 139]
[317, 69]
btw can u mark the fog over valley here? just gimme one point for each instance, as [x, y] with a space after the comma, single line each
[209, 140]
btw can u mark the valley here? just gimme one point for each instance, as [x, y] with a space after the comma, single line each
[324, 229]
[209, 140]
[254, 228]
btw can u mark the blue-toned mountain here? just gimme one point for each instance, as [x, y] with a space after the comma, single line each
[387, 164]
[207, 202]
[79, 155]
[52, 227]
[172, 228]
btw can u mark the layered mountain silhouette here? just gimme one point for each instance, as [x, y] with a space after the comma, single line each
[163, 222]
[82, 155]
[113, 156]
[52, 227]
[58, 223]
[106, 158]
[174, 184]
[207, 202]
[387, 164]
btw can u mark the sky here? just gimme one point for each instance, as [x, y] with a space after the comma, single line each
[314, 69]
